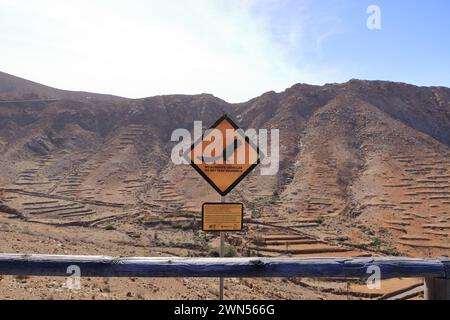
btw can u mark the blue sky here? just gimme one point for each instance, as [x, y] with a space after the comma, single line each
[234, 49]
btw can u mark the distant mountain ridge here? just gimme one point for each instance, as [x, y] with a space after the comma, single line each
[15, 88]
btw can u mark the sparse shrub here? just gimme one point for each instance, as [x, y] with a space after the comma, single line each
[376, 242]
[201, 240]
[183, 225]
[254, 213]
[109, 227]
[366, 230]
[186, 226]
[213, 252]
[390, 251]
[383, 247]
[275, 198]
[229, 252]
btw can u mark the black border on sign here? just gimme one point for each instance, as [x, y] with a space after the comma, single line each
[223, 203]
[242, 176]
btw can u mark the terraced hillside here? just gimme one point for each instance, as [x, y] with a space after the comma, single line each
[364, 170]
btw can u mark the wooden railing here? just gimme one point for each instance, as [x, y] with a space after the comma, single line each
[436, 272]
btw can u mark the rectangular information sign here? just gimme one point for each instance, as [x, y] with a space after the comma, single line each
[222, 216]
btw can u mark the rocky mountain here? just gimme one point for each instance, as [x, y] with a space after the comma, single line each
[15, 88]
[363, 164]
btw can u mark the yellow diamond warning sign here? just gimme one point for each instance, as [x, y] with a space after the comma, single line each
[224, 155]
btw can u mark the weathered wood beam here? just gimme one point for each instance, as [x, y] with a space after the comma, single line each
[103, 266]
[438, 288]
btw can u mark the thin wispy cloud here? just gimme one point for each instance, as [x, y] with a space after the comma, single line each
[233, 49]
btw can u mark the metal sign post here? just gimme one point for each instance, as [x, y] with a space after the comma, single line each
[221, 253]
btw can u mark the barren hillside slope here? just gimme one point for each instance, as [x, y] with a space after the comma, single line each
[364, 170]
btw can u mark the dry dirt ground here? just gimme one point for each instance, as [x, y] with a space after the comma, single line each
[17, 236]
[37, 238]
